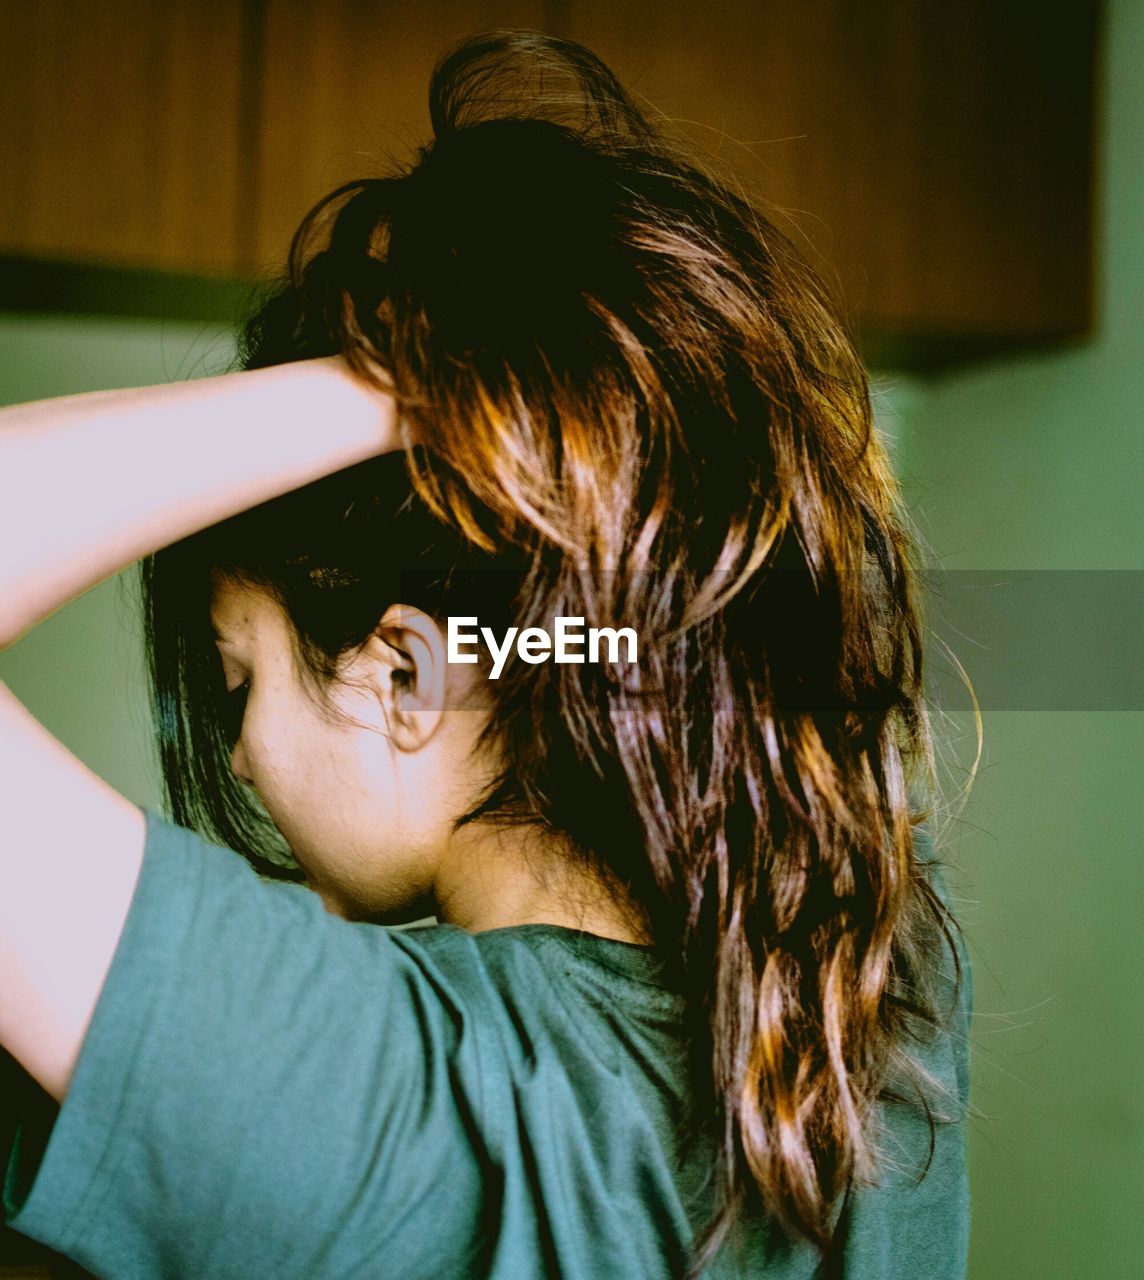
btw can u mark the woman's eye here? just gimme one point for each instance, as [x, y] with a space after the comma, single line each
[234, 709]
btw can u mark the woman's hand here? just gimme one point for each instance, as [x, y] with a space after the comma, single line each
[90, 483]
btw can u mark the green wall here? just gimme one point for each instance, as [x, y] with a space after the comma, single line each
[1037, 465]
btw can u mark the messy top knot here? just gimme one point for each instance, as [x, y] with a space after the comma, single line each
[527, 75]
[616, 367]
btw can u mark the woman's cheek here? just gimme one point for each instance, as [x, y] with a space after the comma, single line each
[266, 773]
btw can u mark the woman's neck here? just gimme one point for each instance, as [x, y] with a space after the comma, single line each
[493, 878]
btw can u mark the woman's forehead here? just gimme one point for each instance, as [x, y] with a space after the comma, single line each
[237, 609]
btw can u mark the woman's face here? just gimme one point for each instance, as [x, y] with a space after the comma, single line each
[362, 779]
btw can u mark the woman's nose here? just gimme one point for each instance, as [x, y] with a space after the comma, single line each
[239, 765]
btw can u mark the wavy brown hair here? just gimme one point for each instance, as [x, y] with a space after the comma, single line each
[619, 369]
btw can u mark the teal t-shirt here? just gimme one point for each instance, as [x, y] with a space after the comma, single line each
[266, 1090]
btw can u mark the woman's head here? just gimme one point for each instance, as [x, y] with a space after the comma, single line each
[361, 774]
[633, 404]
[300, 650]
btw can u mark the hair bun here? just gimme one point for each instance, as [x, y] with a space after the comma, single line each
[512, 73]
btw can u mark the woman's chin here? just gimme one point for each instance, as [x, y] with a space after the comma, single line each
[332, 903]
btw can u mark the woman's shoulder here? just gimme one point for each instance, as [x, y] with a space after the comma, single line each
[548, 989]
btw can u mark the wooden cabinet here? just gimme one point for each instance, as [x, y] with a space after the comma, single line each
[122, 132]
[344, 89]
[933, 160]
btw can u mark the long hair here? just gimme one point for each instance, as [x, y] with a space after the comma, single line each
[623, 380]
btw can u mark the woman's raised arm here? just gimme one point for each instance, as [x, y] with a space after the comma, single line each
[88, 484]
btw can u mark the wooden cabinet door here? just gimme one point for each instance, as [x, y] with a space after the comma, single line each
[121, 132]
[345, 89]
[934, 160]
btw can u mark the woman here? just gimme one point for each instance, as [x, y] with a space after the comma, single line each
[694, 1003]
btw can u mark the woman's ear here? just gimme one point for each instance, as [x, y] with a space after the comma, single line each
[408, 657]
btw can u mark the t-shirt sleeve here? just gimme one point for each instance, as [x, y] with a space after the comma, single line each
[264, 1089]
